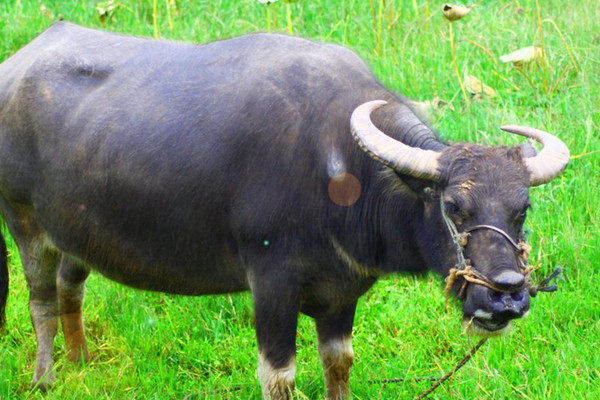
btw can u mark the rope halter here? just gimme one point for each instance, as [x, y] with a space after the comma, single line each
[467, 271]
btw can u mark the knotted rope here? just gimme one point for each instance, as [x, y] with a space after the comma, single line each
[464, 269]
[472, 275]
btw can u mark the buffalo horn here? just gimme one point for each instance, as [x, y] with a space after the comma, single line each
[404, 159]
[551, 160]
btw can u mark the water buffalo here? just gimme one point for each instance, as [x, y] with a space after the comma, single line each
[258, 163]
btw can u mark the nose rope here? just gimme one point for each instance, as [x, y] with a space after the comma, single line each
[498, 230]
[465, 269]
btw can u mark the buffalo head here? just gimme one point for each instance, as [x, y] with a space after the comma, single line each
[473, 214]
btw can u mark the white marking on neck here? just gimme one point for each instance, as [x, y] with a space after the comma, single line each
[353, 265]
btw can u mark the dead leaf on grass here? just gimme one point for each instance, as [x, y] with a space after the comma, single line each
[46, 12]
[454, 12]
[105, 10]
[522, 56]
[435, 104]
[477, 88]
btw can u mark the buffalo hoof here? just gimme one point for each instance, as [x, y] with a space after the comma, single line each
[43, 383]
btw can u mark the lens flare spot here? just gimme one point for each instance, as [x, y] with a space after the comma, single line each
[344, 189]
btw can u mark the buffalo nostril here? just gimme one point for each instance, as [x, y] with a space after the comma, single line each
[501, 301]
[495, 297]
[518, 296]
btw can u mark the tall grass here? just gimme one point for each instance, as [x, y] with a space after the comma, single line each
[155, 346]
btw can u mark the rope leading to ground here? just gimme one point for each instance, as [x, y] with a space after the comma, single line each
[470, 274]
[438, 381]
[453, 371]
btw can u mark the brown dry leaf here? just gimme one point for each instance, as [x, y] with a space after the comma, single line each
[454, 12]
[46, 12]
[476, 88]
[435, 104]
[522, 56]
[105, 10]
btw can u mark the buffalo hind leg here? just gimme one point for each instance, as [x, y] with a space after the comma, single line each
[276, 303]
[71, 288]
[40, 264]
[335, 351]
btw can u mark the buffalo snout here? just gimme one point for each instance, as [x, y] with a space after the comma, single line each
[506, 306]
[489, 311]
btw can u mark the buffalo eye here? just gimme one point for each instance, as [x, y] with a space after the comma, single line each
[455, 212]
[523, 214]
[452, 208]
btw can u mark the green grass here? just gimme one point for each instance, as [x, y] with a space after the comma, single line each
[155, 346]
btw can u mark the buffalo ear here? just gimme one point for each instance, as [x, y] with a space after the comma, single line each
[528, 150]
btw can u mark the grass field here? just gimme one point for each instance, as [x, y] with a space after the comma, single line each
[155, 346]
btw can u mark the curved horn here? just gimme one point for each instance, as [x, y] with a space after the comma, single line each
[552, 159]
[402, 158]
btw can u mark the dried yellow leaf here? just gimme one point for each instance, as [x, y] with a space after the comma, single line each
[477, 88]
[522, 56]
[435, 104]
[104, 8]
[454, 12]
[46, 12]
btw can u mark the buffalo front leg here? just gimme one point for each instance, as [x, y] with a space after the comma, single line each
[335, 351]
[276, 303]
[40, 267]
[71, 288]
